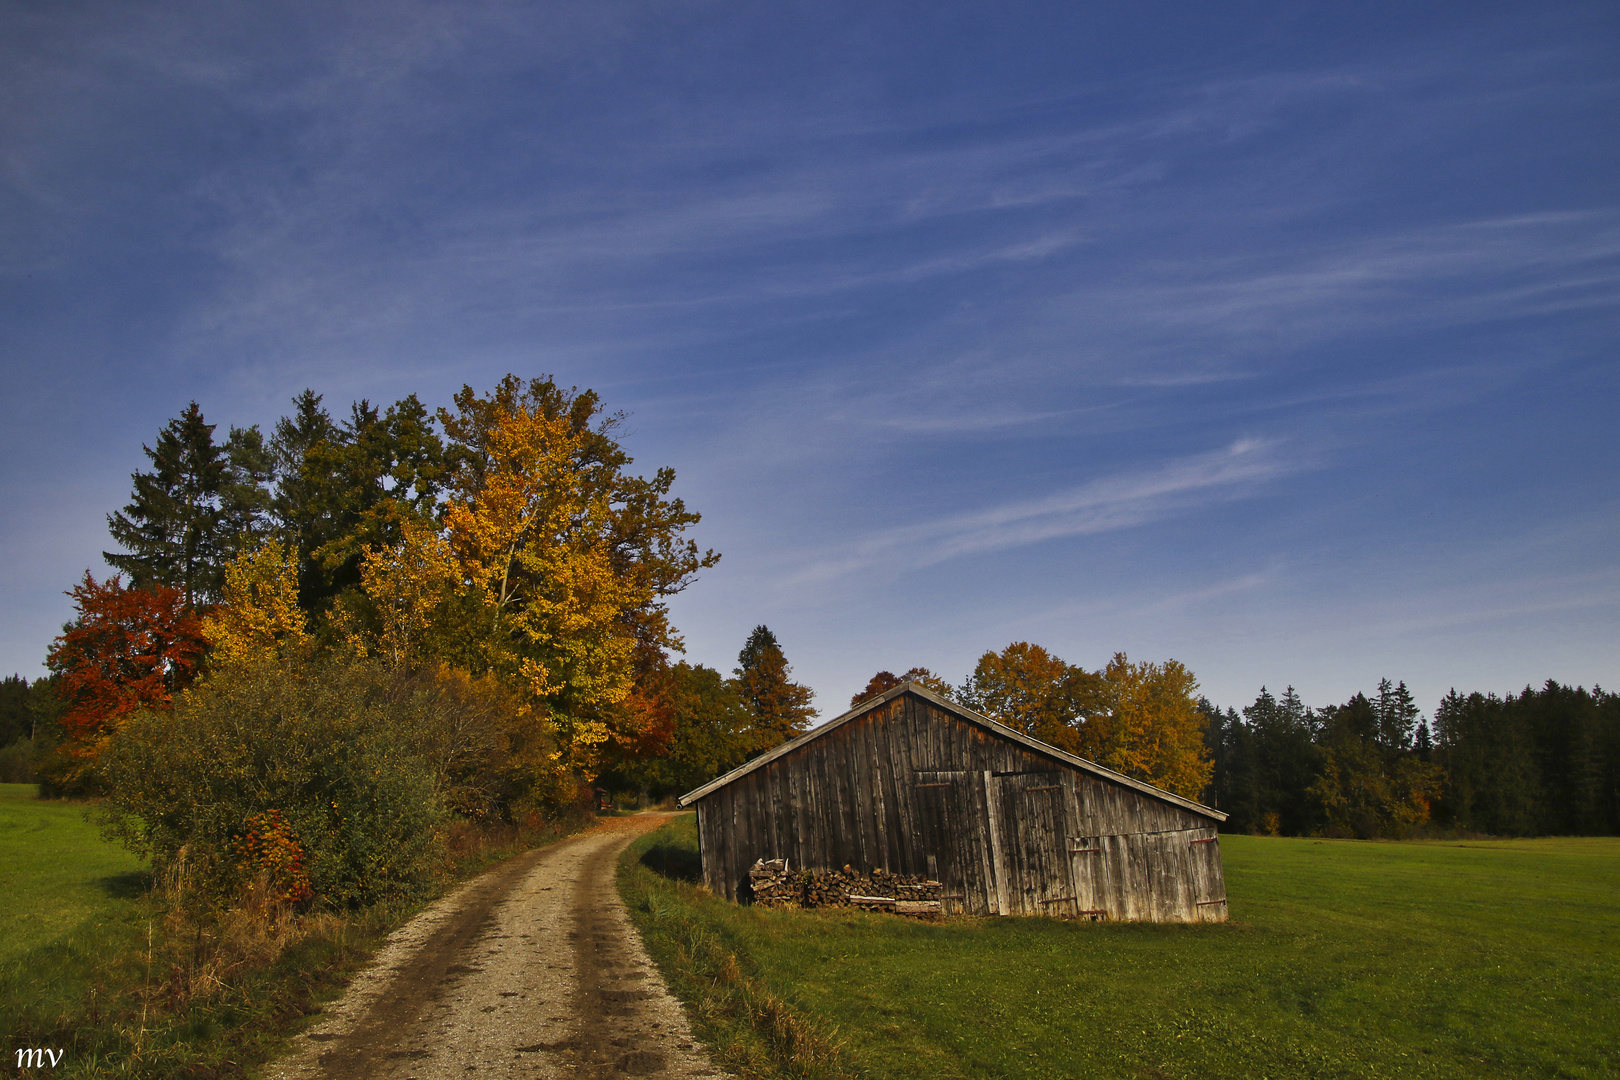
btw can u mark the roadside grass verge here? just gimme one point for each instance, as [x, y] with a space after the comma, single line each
[1343, 959]
[752, 1027]
[96, 962]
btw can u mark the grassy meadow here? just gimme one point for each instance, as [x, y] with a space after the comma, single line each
[69, 901]
[1342, 959]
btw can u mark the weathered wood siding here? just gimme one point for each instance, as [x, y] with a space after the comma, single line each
[913, 789]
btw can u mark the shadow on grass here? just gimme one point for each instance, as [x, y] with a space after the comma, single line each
[126, 886]
[674, 861]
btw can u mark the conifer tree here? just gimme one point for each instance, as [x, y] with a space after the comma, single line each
[191, 514]
[15, 719]
[781, 707]
[1397, 716]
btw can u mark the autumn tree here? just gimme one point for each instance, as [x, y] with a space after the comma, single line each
[198, 506]
[414, 589]
[644, 531]
[571, 555]
[1030, 690]
[781, 707]
[885, 681]
[125, 648]
[259, 616]
[1151, 727]
[1140, 719]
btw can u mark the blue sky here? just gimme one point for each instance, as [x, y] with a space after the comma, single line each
[1276, 338]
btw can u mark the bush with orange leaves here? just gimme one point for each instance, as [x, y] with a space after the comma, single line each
[269, 847]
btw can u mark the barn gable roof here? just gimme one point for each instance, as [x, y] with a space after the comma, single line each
[993, 726]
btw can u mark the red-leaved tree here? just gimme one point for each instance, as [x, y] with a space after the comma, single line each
[126, 648]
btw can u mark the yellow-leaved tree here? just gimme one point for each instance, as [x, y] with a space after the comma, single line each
[570, 555]
[1150, 727]
[1140, 719]
[410, 584]
[259, 616]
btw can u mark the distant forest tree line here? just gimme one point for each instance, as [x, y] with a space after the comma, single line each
[1537, 763]
[1541, 762]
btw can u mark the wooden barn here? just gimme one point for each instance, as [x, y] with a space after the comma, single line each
[910, 783]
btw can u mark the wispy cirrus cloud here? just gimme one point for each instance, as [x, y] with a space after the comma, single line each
[1108, 504]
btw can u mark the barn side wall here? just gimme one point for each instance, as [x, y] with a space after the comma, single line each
[912, 789]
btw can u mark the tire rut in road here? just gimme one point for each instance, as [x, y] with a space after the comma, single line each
[530, 971]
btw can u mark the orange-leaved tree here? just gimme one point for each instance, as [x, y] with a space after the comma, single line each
[885, 681]
[124, 648]
[1026, 687]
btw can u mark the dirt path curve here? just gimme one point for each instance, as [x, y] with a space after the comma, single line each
[532, 970]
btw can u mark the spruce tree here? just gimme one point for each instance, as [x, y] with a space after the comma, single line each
[781, 707]
[171, 526]
[16, 722]
[200, 505]
[295, 507]
[1397, 716]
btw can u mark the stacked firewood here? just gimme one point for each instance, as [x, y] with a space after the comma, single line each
[776, 885]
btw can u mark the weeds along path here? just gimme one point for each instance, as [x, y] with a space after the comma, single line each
[531, 970]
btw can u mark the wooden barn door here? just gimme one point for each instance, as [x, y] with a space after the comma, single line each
[1030, 845]
[1088, 869]
[1208, 881]
[955, 845]
[1171, 876]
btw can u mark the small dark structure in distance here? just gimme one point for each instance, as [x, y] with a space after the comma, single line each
[911, 783]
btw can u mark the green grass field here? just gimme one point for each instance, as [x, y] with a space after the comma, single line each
[61, 878]
[73, 916]
[1342, 959]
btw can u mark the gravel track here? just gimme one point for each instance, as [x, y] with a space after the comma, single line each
[531, 970]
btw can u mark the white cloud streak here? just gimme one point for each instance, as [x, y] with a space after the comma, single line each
[1108, 504]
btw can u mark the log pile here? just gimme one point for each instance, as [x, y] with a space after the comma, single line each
[775, 884]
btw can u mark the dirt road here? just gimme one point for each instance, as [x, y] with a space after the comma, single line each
[532, 970]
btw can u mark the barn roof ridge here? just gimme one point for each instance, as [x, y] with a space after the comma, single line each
[967, 714]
